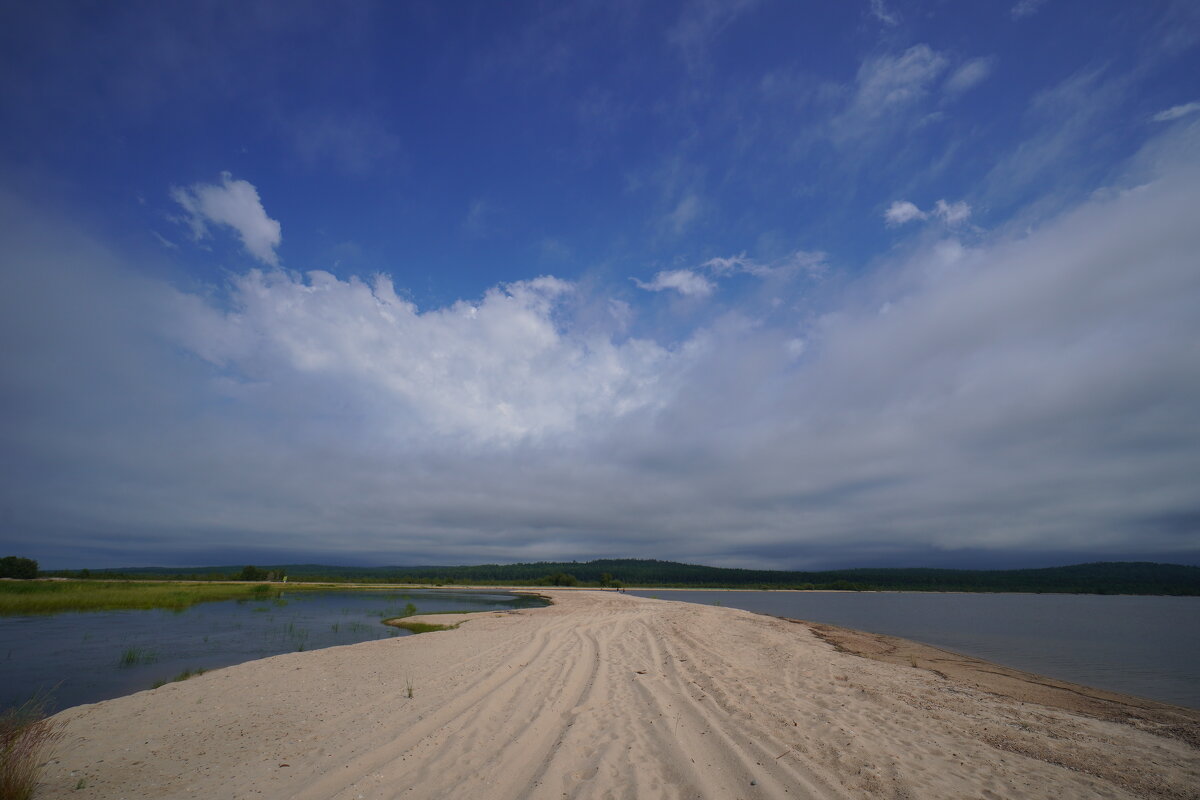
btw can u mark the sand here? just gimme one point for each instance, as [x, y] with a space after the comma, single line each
[609, 695]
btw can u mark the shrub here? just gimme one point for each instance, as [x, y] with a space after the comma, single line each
[251, 573]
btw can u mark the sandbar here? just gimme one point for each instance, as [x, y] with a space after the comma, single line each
[607, 695]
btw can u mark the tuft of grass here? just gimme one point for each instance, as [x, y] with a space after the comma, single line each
[408, 688]
[417, 627]
[25, 735]
[136, 655]
[183, 676]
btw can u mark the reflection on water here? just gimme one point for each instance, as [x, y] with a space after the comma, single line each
[84, 657]
[1145, 646]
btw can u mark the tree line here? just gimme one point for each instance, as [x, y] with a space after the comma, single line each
[1096, 578]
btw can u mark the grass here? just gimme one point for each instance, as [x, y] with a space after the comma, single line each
[417, 627]
[136, 655]
[408, 688]
[183, 676]
[25, 735]
[52, 597]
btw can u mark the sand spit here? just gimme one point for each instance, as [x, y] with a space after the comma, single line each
[604, 695]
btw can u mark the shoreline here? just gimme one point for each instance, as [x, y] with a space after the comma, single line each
[1165, 719]
[612, 695]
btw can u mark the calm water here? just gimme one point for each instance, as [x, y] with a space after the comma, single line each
[1145, 646]
[81, 657]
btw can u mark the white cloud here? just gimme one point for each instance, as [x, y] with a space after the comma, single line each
[234, 203]
[686, 211]
[811, 262]
[887, 87]
[969, 74]
[1026, 8]
[1027, 394]
[952, 213]
[494, 370]
[1175, 112]
[881, 12]
[684, 281]
[901, 212]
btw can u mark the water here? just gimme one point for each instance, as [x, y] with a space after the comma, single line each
[1144, 646]
[84, 657]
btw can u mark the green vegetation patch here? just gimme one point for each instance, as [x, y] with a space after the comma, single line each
[52, 597]
[417, 627]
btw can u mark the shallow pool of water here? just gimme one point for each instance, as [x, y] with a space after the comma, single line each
[84, 657]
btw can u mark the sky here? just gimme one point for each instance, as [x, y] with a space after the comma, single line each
[793, 284]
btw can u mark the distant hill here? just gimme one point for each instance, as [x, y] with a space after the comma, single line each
[1114, 577]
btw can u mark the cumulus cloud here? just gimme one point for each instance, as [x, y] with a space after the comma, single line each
[684, 281]
[497, 369]
[1175, 112]
[901, 212]
[235, 204]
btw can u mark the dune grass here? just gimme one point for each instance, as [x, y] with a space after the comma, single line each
[50, 597]
[25, 736]
[183, 676]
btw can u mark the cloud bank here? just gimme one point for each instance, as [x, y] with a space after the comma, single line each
[1019, 398]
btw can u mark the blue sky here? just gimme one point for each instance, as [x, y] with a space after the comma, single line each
[747, 283]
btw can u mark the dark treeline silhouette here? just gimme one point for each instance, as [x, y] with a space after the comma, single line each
[17, 567]
[1097, 578]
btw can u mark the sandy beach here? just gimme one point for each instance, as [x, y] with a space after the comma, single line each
[606, 695]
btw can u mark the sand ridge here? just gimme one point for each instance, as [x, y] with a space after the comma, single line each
[601, 695]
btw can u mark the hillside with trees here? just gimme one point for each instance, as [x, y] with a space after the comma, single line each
[1097, 578]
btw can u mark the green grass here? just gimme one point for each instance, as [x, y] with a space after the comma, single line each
[136, 655]
[183, 676]
[417, 627]
[52, 597]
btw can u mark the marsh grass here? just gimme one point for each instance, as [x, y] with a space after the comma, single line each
[25, 736]
[132, 656]
[51, 597]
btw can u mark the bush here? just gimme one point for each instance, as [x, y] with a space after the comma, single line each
[251, 573]
[14, 567]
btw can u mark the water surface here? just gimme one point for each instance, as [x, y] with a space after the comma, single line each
[84, 657]
[1144, 646]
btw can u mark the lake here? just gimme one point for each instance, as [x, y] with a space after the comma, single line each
[1144, 646]
[84, 657]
